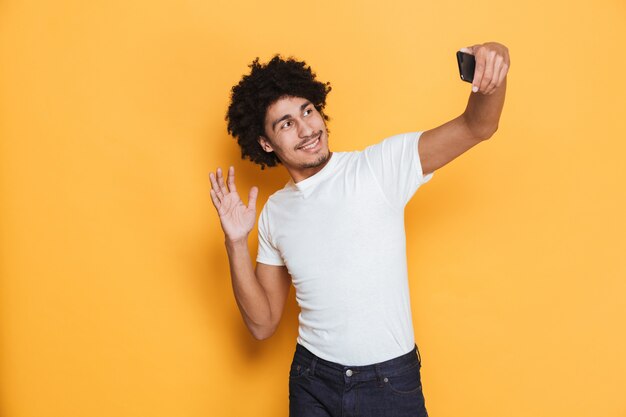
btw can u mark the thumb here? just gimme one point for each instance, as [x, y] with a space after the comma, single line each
[254, 192]
[467, 50]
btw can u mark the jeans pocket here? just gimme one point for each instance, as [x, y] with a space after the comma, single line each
[298, 370]
[407, 381]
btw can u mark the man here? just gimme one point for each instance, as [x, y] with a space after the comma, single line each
[336, 230]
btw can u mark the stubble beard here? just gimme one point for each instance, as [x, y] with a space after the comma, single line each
[321, 160]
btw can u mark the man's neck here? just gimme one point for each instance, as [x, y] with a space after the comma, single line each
[301, 174]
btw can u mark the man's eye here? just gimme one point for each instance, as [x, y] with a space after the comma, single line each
[307, 111]
[286, 124]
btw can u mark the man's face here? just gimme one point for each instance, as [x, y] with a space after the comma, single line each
[296, 132]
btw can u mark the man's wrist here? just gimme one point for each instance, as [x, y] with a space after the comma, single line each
[237, 243]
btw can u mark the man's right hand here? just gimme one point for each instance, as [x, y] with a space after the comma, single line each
[260, 294]
[236, 218]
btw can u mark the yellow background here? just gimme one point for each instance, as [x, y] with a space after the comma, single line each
[115, 293]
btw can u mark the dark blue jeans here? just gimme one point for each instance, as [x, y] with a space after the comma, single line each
[391, 388]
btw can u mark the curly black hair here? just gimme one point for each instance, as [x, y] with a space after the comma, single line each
[256, 91]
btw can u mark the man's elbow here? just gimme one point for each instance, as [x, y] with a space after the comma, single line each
[262, 333]
[486, 132]
[479, 130]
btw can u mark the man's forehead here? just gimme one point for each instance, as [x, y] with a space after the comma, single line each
[286, 103]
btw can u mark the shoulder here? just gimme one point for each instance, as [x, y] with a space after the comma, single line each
[397, 140]
[344, 157]
[394, 148]
[279, 197]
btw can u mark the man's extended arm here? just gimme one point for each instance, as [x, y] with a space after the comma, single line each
[260, 293]
[480, 119]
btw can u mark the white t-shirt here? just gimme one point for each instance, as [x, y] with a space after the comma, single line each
[341, 235]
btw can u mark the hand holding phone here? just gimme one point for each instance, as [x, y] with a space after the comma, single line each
[485, 66]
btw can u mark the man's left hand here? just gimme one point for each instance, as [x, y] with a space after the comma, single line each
[492, 65]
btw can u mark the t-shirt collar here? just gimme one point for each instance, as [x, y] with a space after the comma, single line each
[308, 183]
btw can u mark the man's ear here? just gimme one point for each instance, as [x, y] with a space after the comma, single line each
[265, 144]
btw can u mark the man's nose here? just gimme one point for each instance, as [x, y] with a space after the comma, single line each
[305, 129]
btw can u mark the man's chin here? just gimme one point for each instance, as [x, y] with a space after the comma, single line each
[321, 160]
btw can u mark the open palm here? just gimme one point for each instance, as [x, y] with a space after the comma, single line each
[236, 218]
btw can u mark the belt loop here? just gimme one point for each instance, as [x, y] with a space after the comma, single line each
[379, 376]
[313, 363]
[419, 357]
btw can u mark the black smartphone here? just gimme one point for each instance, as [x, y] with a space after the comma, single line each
[467, 64]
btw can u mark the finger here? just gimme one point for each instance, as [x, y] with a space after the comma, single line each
[472, 51]
[479, 71]
[495, 77]
[488, 71]
[214, 186]
[220, 181]
[503, 72]
[215, 200]
[231, 180]
[254, 192]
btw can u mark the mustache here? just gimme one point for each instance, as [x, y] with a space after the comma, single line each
[309, 139]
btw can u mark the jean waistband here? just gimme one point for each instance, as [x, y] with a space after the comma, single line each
[357, 373]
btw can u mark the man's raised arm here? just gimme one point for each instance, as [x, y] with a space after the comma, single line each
[480, 119]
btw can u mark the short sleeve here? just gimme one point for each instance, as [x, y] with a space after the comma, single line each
[267, 253]
[396, 165]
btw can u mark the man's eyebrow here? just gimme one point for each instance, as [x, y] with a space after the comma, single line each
[287, 116]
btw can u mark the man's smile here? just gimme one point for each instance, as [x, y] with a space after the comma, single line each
[310, 145]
